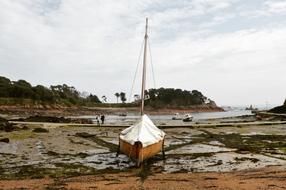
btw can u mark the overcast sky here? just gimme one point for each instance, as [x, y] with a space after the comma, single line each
[233, 51]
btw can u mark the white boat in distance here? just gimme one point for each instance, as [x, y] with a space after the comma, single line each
[186, 118]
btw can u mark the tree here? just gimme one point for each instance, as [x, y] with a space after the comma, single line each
[21, 89]
[117, 96]
[122, 97]
[64, 94]
[43, 93]
[104, 98]
[5, 84]
[93, 98]
[174, 97]
[23, 83]
[136, 97]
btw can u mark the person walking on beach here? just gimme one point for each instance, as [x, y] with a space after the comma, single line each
[102, 117]
[97, 119]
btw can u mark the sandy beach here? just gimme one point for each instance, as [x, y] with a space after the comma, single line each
[267, 178]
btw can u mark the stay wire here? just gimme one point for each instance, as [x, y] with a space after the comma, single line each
[136, 71]
[152, 67]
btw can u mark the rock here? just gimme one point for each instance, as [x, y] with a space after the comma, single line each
[40, 130]
[2, 120]
[8, 127]
[82, 121]
[50, 119]
[279, 109]
[84, 135]
[5, 140]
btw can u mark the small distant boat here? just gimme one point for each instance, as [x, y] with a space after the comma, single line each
[188, 118]
[177, 116]
[143, 139]
[251, 108]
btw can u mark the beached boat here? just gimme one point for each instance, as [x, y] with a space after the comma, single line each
[143, 139]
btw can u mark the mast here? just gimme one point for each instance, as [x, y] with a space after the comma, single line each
[144, 68]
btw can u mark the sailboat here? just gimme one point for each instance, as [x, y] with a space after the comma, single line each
[143, 139]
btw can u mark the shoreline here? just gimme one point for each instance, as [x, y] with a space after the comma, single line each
[76, 111]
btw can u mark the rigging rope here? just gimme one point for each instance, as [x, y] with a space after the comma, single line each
[136, 71]
[152, 67]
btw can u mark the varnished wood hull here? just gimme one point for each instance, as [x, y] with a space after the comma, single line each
[139, 153]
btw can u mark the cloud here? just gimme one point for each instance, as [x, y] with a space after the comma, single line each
[207, 45]
[265, 9]
[275, 6]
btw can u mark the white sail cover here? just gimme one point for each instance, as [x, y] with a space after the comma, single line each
[144, 131]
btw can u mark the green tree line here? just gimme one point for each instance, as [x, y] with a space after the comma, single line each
[54, 94]
[156, 98]
[172, 97]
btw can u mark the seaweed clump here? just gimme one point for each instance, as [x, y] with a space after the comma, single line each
[40, 130]
[248, 143]
[49, 119]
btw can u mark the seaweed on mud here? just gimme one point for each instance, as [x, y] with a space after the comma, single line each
[182, 170]
[254, 160]
[22, 135]
[176, 146]
[52, 153]
[191, 156]
[7, 127]
[22, 172]
[55, 188]
[50, 119]
[283, 149]
[40, 130]
[112, 147]
[5, 140]
[68, 170]
[55, 154]
[250, 143]
[36, 172]
[147, 169]
[2, 120]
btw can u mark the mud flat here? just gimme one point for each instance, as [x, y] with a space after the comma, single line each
[205, 157]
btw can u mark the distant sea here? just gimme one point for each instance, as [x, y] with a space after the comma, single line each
[130, 118]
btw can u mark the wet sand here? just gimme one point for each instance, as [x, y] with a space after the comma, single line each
[205, 157]
[267, 178]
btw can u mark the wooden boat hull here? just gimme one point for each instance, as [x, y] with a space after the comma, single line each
[139, 153]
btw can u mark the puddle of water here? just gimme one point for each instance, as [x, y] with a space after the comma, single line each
[173, 142]
[96, 151]
[199, 148]
[220, 162]
[253, 133]
[41, 149]
[9, 148]
[216, 143]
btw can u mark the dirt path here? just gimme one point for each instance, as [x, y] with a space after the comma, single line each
[267, 178]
